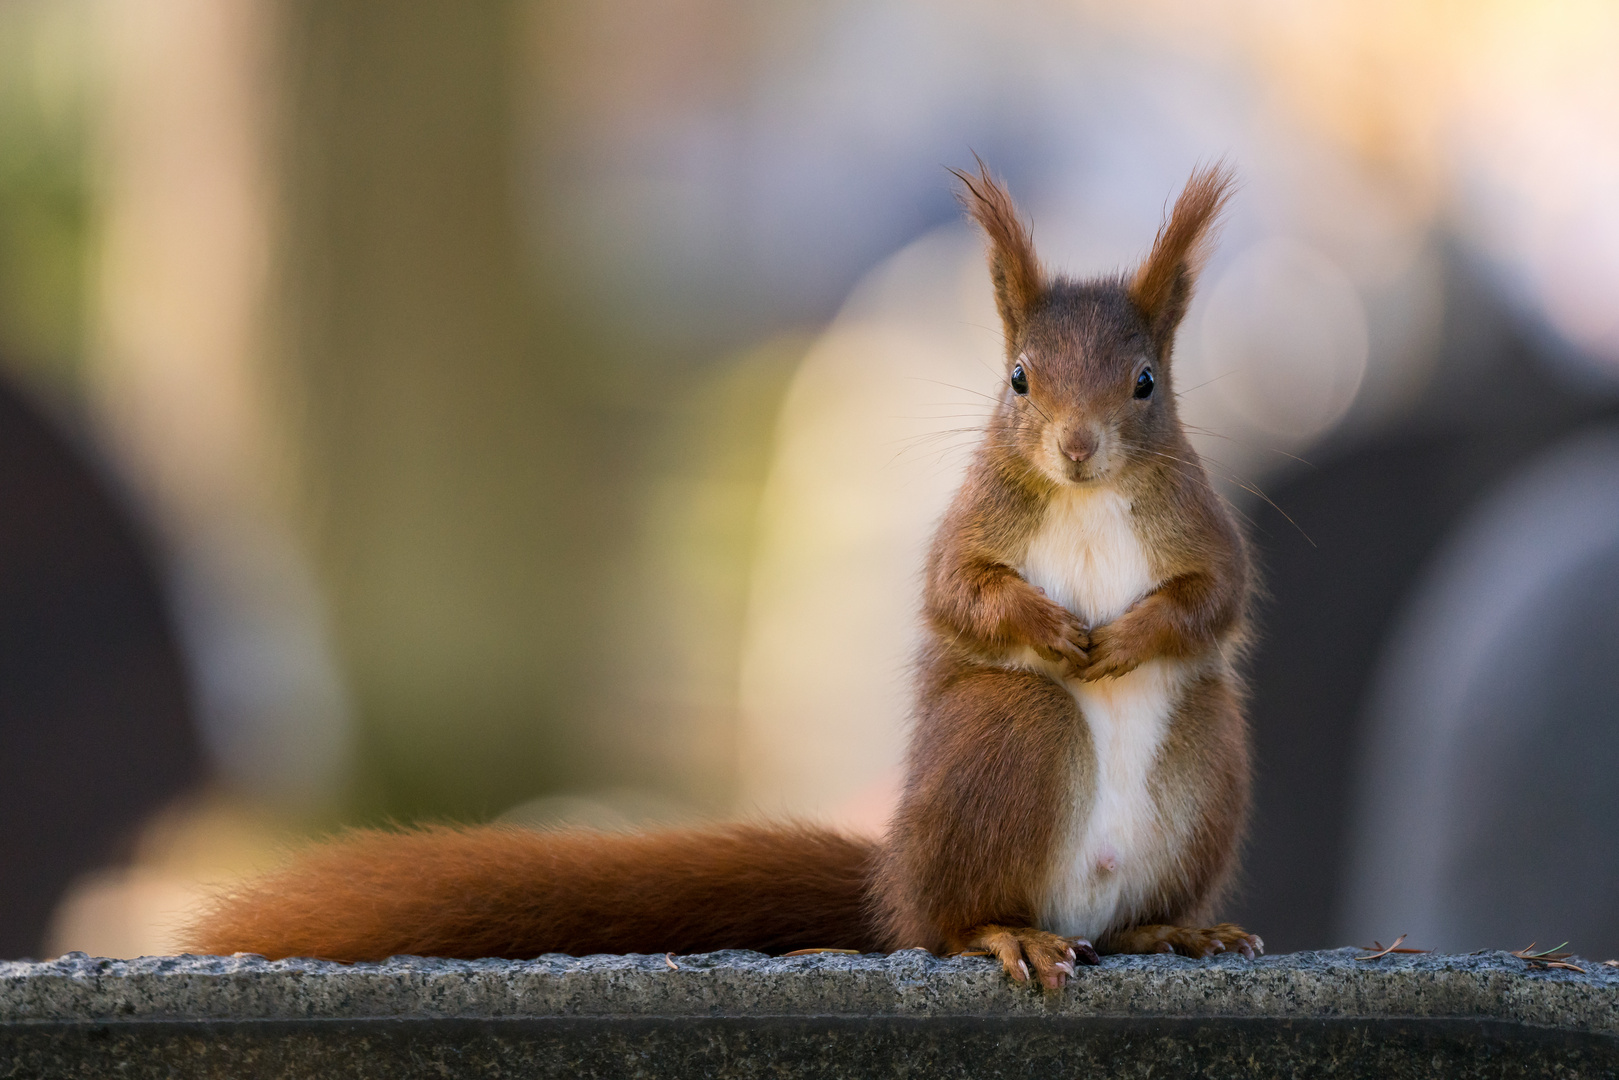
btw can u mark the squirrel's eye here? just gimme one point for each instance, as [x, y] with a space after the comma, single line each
[1144, 383]
[1020, 380]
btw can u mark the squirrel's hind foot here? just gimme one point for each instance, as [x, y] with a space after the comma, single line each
[1191, 941]
[1028, 953]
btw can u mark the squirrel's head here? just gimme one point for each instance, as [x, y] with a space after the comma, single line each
[1088, 364]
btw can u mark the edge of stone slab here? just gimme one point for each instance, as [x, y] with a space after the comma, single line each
[1486, 986]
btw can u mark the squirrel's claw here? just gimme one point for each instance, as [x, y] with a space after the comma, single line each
[1196, 942]
[1109, 656]
[1028, 954]
[1070, 644]
[1083, 952]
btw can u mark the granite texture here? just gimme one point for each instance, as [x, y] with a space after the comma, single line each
[743, 1014]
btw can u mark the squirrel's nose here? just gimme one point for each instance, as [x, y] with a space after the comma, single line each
[1079, 445]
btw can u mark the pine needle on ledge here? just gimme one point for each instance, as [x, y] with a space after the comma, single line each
[1379, 950]
[1547, 958]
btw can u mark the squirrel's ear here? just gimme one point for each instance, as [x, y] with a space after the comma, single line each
[1162, 287]
[1012, 265]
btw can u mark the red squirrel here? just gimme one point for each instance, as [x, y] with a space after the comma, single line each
[1078, 769]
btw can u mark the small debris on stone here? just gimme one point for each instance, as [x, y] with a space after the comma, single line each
[1547, 958]
[1378, 950]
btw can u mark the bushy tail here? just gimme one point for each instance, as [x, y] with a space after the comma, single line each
[504, 891]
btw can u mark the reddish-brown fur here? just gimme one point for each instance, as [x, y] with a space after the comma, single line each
[1013, 269]
[1000, 754]
[511, 892]
[988, 770]
[1162, 287]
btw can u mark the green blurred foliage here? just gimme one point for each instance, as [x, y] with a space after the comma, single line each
[45, 187]
[510, 496]
[531, 519]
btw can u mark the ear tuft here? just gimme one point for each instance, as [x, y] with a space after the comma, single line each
[1012, 265]
[1162, 287]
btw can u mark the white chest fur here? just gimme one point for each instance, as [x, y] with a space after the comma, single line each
[1088, 557]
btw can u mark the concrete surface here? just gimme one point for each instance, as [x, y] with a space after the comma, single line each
[742, 1014]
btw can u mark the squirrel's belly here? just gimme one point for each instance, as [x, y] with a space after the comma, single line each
[1118, 842]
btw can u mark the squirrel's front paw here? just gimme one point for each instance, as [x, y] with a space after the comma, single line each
[1061, 638]
[1114, 651]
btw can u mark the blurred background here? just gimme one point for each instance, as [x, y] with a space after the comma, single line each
[539, 411]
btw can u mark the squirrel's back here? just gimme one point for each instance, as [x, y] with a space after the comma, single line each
[505, 891]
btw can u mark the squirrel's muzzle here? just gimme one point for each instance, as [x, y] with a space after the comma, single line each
[1079, 444]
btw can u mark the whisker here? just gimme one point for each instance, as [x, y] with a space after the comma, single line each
[998, 331]
[940, 453]
[934, 436]
[964, 389]
[1245, 442]
[1020, 397]
[1206, 382]
[1030, 402]
[1227, 475]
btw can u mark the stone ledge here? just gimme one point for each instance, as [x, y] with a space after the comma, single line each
[739, 1013]
[1489, 986]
